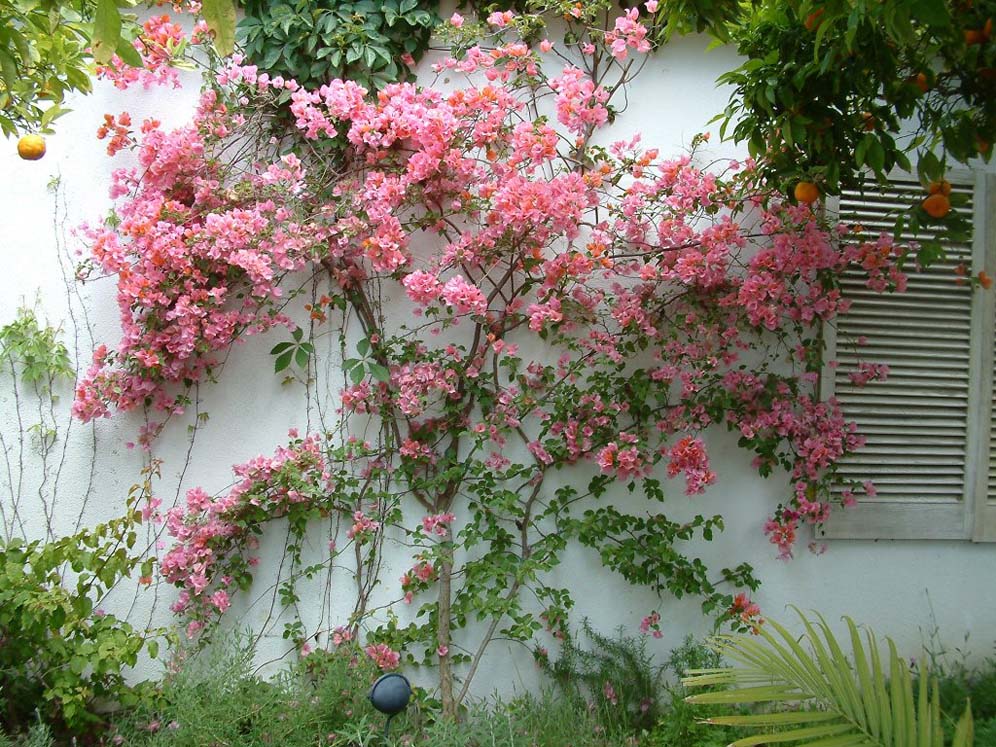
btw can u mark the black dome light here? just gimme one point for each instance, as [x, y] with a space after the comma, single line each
[390, 694]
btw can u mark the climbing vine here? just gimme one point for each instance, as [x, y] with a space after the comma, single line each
[566, 320]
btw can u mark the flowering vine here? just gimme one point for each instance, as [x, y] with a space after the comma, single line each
[569, 317]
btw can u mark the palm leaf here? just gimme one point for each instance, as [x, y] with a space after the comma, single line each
[828, 698]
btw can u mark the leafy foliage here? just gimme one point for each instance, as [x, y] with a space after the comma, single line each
[42, 58]
[827, 87]
[35, 351]
[46, 50]
[315, 41]
[616, 677]
[867, 699]
[60, 652]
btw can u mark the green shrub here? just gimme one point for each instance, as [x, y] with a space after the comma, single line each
[616, 676]
[959, 682]
[314, 41]
[61, 655]
[218, 697]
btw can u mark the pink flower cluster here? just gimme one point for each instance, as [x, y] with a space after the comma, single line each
[383, 656]
[689, 457]
[628, 33]
[624, 462]
[437, 523]
[748, 613]
[198, 253]
[580, 103]
[651, 625]
[211, 533]
[159, 43]
[363, 527]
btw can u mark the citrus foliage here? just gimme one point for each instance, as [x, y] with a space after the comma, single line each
[47, 50]
[827, 86]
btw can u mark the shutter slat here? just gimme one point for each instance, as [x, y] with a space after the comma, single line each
[915, 423]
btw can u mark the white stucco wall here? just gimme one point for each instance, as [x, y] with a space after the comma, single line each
[900, 588]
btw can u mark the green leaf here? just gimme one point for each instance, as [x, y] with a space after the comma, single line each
[379, 372]
[106, 30]
[963, 736]
[301, 358]
[931, 12]
[128, 54]
[282, 361]
[51, 114]
[220, 18]
[280, 347]
[8, 69]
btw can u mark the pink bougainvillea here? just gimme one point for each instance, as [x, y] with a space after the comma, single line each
[555, 304]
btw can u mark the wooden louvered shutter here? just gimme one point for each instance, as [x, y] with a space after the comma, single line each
[922, 451]
[984, 519]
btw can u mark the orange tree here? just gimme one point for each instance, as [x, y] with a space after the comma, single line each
[47, 50]
[832, 91]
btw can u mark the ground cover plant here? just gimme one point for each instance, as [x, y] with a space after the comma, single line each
[216, 696]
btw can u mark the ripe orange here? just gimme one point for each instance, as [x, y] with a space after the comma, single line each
[31, 147]
[867, 121]
[937, 205]
[806, 192]
[979, 36]
[921, 82]
[813, 20]
[942, 187]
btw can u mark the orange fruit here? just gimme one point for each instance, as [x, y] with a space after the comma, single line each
[31, 147]
[806, 192]
[867, 121]
[985, 281]
[813, 20]
[937, 205]
[921, 82]
[982, 145]
[973, 36]
[942, 187]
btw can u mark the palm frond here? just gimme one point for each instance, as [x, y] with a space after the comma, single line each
[815, 695]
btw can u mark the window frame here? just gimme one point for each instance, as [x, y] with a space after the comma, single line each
[974, 516]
